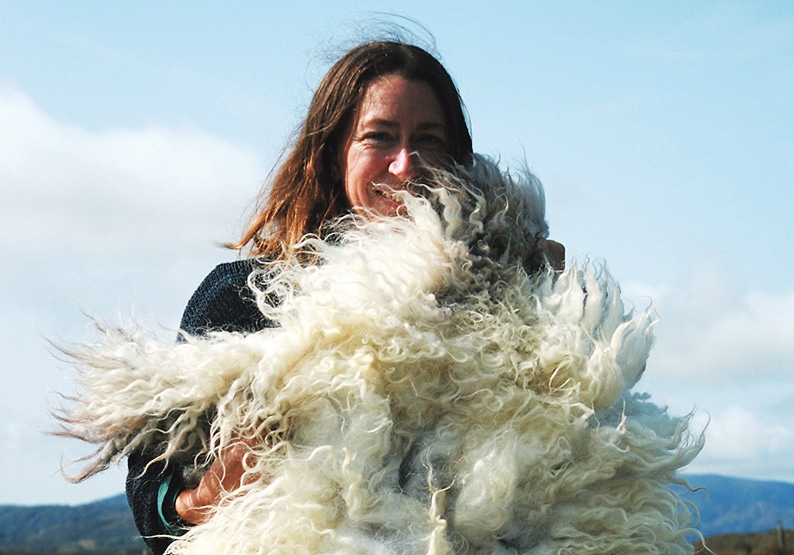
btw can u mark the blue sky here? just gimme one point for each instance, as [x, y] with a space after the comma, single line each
[134, 135]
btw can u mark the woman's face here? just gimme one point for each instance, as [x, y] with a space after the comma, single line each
[398, 123]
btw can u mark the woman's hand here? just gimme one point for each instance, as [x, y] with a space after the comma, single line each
[225, 474]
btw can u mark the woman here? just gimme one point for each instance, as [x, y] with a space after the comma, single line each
[384, 112]
[433, 386]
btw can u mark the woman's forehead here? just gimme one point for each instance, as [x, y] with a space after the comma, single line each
[394, 99]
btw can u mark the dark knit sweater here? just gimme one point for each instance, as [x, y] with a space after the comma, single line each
[223, 301]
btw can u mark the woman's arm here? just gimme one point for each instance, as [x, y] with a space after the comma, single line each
[223, 301]
[144, 480]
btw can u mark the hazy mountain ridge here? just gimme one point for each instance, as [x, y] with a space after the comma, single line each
[729, 506]
[738, 505]
[104, 526]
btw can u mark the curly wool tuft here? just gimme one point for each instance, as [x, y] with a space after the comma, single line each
[432, 388]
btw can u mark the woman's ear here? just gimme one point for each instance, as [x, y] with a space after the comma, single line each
[554, 253]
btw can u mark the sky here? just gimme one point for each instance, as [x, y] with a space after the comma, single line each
[134, 136]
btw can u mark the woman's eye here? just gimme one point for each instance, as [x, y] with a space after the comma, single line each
[377, 137]
[430, 141]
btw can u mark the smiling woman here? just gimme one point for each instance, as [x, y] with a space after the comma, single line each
[437, 383]
[398, 127]
[308, 189]
[383, 115]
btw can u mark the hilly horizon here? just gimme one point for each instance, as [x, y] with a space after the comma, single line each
[727, 505]
[730, 505]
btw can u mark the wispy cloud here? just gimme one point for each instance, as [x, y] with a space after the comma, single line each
[748, 338]
[727, 354]
[94, 220]
[132, 190]
[742, 442]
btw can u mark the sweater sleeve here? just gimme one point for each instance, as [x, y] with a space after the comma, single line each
[223, 301]
[143, 485]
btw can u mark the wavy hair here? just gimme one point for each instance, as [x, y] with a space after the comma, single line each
[307, 190]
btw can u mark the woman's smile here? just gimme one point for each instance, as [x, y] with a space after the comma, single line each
[397, 128]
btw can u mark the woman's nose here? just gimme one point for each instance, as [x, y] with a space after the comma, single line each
[403, 165]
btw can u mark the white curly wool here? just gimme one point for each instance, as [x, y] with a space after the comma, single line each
[424, 393]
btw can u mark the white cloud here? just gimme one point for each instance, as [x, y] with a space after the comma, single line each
[118, 190]
[100, 221]
[727, 354]
[748, 338]
[738, 434]
[741, 442]
[713, 331]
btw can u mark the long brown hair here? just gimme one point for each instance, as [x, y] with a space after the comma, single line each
[307, 190]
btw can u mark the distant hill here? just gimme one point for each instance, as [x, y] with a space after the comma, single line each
[738, 505]
[104, 526]
[730, 506]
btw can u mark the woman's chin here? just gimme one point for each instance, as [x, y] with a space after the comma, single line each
[387, 207]
[381, 204]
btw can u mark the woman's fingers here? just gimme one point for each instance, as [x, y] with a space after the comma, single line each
[225, 474]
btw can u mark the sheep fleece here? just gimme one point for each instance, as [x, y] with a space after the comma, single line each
[424, 393]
